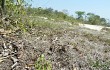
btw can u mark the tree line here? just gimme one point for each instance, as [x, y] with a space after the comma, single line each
[15, 9]
[91, 18]
[83, 17]
[50, 13]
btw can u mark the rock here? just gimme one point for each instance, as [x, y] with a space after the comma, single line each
[14, 65]
[1, 59]
[5, 52]
[14, 59]
[4, 32]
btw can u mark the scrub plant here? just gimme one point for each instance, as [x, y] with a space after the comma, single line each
[43, 64]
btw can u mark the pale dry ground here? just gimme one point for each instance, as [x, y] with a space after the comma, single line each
[94, 27]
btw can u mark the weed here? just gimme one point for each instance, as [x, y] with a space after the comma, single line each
[42, 64]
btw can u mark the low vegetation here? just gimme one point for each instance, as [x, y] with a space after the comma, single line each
[52, 33]
[42, 64]
[16, 14]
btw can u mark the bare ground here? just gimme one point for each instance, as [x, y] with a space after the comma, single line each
[72, 48]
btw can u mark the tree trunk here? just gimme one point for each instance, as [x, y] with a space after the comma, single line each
[2, 7]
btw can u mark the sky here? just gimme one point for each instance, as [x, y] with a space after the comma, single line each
[98, 7]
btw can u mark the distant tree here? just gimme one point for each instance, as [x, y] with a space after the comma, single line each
[62, 15]
[95, 19]
[50, 13]
[50, 9]
[91, 18]
[80, 14]
[103, 21]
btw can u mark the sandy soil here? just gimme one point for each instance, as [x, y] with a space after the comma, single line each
[94, 27]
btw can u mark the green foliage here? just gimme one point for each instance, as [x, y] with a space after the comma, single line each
[19, 11]
[14, 7]
[15, 13]
[90, 18]
[50, 13]
[80, 14]
[42, 64]
[98, 64]
[95, 19]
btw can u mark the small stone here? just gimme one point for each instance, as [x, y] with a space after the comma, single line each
[5, 52]
[14, 59]
[14, 65]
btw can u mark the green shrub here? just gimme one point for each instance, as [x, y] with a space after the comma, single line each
[42, 64]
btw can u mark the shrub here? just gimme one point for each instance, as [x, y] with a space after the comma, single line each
[42, 64]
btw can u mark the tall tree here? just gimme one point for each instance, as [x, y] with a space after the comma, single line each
[91, 18]
[103, 21]
[2, 7]
[80, 14]
[95, 19]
